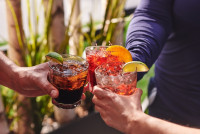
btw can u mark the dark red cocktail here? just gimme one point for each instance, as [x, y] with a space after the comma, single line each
[69, 79]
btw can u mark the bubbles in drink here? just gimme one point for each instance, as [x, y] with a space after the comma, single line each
[113, 68]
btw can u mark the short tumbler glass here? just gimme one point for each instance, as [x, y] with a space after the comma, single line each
[69, 78]
[110, 76]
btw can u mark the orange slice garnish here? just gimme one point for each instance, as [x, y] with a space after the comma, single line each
[120, 51]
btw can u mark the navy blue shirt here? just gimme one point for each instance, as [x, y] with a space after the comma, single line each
[167, 33]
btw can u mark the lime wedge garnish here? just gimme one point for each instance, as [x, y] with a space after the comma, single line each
[55, 57]
[135, 66]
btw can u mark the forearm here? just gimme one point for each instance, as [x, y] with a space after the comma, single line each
[151, 125]
[7, 71]
[149, 29]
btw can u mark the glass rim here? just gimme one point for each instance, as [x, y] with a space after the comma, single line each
[88, 47]
[85, 63]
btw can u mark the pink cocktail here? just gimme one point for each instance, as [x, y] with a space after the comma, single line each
[97, 55]
[110, 76]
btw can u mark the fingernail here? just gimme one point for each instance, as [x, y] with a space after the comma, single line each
[53, 94]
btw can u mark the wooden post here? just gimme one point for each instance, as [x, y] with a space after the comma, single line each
[57, 27]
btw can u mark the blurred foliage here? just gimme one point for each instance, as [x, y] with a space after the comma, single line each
[9, 98]
[143, 83]
[126, 28]
[3, 43]
[114, 14]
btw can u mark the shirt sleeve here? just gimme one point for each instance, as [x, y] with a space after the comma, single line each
[149, 29]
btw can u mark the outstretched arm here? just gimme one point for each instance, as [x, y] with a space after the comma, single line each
[29, 81]
[124, 113]
[149, 29]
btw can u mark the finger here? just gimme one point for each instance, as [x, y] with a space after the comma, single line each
[101, 93]
[52, 91]
[99, 109]
[102, 112]
[100, 103]
[43, 66]
[138, 96]
[33, 93]
[49, 89]
[44, 84]
[83, 96]
[86, 88]
[95, 100]
[138, 92]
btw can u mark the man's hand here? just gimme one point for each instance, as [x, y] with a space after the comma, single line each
[32, 81]
[117, 110]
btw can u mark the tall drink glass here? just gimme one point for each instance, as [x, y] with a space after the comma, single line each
[96, 55]
[69, 79]
[110, 76]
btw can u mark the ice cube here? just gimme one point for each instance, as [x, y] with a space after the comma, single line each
[68, 72]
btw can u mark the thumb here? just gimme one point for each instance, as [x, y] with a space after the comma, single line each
[53, 92]
[102, 93]
[50, 89]
[137, 95]
[138, 92]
